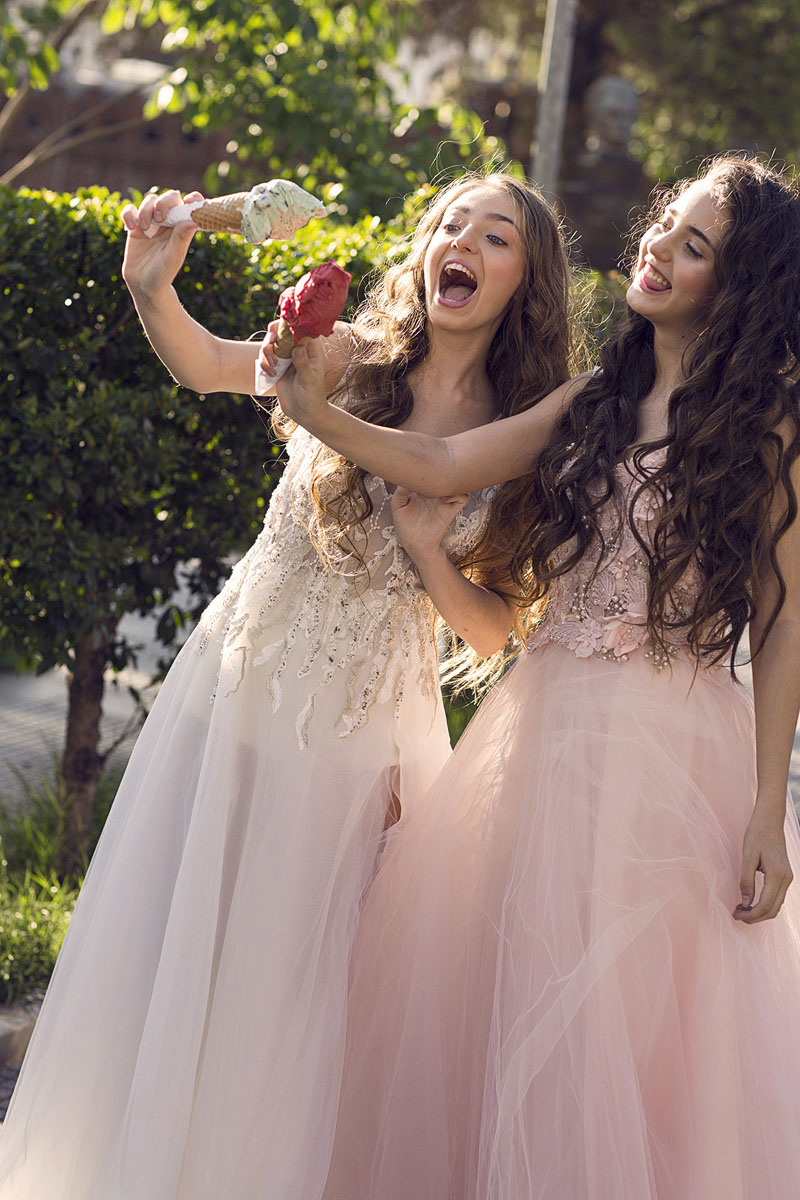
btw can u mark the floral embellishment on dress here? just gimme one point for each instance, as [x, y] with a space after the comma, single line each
[603, 611]
[288, 609]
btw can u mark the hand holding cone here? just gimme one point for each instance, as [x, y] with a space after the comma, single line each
[309, 309]
[269, 211]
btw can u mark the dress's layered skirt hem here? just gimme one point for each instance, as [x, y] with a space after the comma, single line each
[551, 999]
[190, 1045]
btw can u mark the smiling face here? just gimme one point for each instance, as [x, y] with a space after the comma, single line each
[675, 276]
[474, 262]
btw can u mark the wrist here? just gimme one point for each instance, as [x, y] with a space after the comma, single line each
[151, 299]
[770, 802]
[427, 559]
[320, 419]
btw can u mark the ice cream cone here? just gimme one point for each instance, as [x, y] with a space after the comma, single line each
[272, 210]
[309, 309]
[223, 215]
[285, 343]
[285, 340]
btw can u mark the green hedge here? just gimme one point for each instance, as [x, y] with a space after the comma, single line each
[114, 476]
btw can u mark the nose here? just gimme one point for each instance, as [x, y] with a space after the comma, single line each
[464, 239]
[658, 244]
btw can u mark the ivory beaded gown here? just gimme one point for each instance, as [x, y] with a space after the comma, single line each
[550, 997]
[191, 1041]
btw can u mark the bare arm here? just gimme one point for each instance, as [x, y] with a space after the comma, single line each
[465, 462]
[776, 687]
[194, 357]
[481, 617]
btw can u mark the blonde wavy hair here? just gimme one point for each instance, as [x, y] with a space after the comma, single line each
[532, 353]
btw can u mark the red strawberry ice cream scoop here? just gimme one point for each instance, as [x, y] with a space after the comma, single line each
[316, 301]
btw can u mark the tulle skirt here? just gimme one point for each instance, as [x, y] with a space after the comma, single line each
[190, 1045]
[550, 998]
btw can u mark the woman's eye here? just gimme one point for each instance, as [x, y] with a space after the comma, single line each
[694, 253]
[495, 239]
[451, 228]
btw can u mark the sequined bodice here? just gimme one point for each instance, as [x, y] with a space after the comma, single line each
[604, 612]
[352, 637]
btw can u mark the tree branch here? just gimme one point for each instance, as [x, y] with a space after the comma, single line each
[87, 114]
[13, 107]
[73, 20]
[38, 154]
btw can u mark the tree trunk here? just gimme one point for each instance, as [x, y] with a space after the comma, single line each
[82, 764]
[553, 88]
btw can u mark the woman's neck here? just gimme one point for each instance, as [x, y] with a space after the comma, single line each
[452, 380]
[668, 352]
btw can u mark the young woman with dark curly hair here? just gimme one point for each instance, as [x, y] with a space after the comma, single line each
[190, 1046]
[567, 982]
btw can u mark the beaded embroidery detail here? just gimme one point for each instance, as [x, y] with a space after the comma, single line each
[605, 614]
[283, 595]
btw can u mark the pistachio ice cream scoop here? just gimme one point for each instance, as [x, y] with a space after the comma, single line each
[271, 211]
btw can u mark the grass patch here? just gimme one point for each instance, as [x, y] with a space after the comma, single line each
[31, 828]
[35, 904]
[34, 915]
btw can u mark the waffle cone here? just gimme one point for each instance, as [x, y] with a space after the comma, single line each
[285, 343]
[223, 215]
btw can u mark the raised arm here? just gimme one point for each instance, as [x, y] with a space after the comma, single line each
[465, 462]
[776, 688]
[194, 357]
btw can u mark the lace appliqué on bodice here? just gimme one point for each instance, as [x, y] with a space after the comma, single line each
[604, 613]
[288, 613]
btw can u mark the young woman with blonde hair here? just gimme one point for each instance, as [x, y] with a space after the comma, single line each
[190, 1045]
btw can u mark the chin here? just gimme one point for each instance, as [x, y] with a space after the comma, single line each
[633, 298]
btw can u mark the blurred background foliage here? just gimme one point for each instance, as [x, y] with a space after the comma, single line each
[712, 75]
[363, 101]
[297, 86]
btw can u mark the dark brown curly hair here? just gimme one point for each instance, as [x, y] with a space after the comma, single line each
[733, 431]
[532, 353]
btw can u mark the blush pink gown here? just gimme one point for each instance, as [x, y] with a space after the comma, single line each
[550, 999]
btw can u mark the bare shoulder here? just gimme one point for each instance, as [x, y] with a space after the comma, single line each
[339, 349]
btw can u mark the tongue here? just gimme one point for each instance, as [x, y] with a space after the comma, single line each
[457, 291]
[657, 285]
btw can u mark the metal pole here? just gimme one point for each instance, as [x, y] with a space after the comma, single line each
[553, 86]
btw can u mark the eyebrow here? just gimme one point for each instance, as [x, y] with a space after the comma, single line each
[693, 229]
[462, 208]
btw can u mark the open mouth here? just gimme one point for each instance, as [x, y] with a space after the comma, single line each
[456, 284]
[651, 280]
